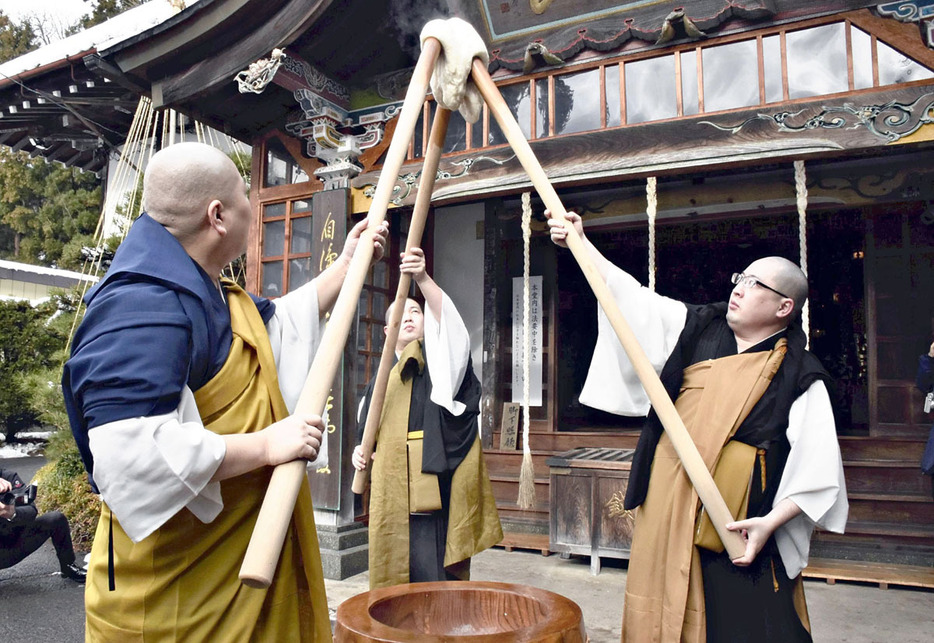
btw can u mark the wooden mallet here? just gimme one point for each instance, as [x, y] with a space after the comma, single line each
[439, 128]
[272, 523]
[683, 444]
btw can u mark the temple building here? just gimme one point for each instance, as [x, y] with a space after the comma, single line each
[692, 137]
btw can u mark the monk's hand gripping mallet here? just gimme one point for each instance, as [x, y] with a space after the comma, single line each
[439, 128]
[265, 546]
[687, 452]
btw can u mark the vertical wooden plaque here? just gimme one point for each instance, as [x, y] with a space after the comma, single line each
[509, 429]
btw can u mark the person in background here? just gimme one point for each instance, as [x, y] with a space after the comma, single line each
[23, 530]
[924, 380]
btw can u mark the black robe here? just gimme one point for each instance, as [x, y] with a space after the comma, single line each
[447, 439]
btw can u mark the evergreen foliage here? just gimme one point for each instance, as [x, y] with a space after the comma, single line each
[16, 39]
[47, 212]
[104, 10]
[63, 483]
[63, 486]
[27, 345]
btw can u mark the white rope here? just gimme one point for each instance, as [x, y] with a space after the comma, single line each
[171, 125]
[124, 182]
[527, 474]
[651, 210]
[239, 153]
[801, 190]
[117, 188]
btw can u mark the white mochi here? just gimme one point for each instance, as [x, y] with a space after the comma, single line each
[450, 82]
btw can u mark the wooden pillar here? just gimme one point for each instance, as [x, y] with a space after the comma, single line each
[490, 409]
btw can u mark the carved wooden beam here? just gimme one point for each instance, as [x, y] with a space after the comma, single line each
[204, 77]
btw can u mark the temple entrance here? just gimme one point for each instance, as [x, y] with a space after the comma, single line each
[900, 298]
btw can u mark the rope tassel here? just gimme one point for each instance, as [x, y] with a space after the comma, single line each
[527, 473]
[801, 198]
[651, 210]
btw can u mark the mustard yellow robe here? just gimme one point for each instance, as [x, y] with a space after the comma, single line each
[473, 522]
[181, 583]
[664, 600]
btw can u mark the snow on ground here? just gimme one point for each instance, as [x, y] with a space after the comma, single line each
[28, 443]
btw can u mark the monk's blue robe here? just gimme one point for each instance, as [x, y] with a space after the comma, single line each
[155, 300]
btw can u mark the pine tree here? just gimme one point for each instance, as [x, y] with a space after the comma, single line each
[16, 39]
[105, 10]
[47, 212]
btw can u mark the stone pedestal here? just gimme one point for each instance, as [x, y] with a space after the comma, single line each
[344, 550]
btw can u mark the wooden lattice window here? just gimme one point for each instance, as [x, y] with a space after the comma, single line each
[286, 246]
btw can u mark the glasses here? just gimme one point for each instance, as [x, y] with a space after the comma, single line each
[751, 282]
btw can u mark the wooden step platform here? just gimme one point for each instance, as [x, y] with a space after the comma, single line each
[881, 574]
[535, 542]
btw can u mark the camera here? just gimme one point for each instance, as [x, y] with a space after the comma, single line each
[19, 496]
[928, 402]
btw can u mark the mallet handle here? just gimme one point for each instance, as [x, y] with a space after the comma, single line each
[262, 554]
[693, 463]
[439, 128]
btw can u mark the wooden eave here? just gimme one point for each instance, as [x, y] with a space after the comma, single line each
[662, 147]
[676, 146]
[190, 62]
[638, 28]
[65, 113]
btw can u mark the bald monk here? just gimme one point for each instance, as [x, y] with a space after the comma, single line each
[179, 391]
[755, 403]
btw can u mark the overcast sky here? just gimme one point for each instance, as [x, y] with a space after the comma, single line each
[65, 10]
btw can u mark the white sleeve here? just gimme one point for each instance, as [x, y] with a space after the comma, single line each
[150, 468]
[612, 384]
[447, 344]
[295, 331]
[812, 479]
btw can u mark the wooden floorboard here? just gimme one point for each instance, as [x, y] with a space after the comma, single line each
[881, 574]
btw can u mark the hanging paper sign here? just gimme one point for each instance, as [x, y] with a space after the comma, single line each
[535, 340]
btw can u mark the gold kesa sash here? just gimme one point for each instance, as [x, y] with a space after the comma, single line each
[664, 599]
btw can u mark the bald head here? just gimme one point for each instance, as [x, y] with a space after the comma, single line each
[766, 301]
[787, 277]
[182, 180]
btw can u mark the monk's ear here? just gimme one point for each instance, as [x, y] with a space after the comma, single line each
[216, 217]
[786, 308]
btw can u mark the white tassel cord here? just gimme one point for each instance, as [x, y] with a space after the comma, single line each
[651, 209]
[801, 191]
[527, 473]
